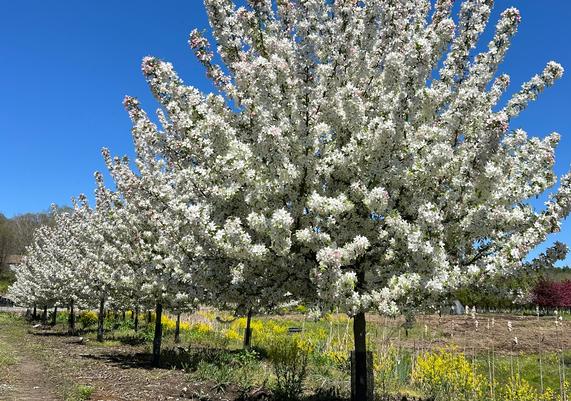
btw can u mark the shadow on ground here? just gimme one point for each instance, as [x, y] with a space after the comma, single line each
[189, 359]
[179, 358]
[47, 333]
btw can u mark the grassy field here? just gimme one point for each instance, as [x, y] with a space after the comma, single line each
[449, 358]
[7, 354]
[212, 340]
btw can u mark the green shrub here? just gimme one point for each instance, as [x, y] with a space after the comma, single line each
[446, 374]
[220, 374]
[391, 370]
[87, 319]
[250, 371]
[289, 357]
[80, 393]
[62, 317]
[518, 389]
[242, 369]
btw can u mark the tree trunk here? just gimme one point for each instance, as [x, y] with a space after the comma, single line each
[71, 321]
[34, 313]
[149, 317]
[361, 376]
[248, 331]
[54, 316]
[45, 315]
[177, 329]
[158, 336]
[360, 387]
[136, 319]
[132, 314]
[100, 320]
[124, 315]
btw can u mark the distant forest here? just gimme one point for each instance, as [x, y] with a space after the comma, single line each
[17, 233]
[558, 273]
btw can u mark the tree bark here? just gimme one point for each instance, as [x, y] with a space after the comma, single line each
[100, 320]
[45, 315]
[34, 313]
[54, 316]
[158, 336]
[71, 321]
[136, 319]
[359, 333]
[248, 331]
[149, 317]
[361, 386]
[177, 329]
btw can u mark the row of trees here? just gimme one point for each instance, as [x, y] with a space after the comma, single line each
[355, 155]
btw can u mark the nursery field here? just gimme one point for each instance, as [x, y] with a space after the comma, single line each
[446, 358]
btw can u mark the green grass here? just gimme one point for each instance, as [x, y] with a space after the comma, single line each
[527, 367]
[12, 327]
[243, 369]
[79, 392]
[7, 357]
[12, 324]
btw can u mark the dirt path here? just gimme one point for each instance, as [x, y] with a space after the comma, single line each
[31, 383]
[24, 379]
[44, 364]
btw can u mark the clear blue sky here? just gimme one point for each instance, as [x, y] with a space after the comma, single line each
[66, 66]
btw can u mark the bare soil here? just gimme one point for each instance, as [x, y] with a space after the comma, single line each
[491, 332]
[26, 380]
[50, 367]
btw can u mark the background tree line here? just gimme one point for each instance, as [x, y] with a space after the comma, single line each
[16, 234]
[541, 287]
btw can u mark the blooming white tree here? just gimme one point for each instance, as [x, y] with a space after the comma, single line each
[145, 236]
[355, 153]
[51, 273]
[100, 267]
